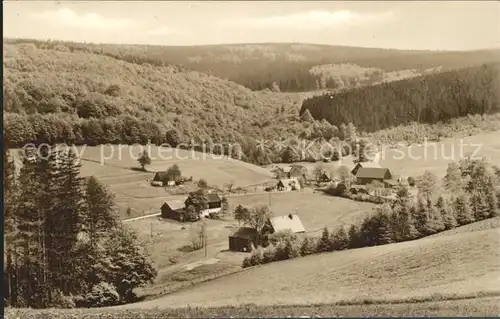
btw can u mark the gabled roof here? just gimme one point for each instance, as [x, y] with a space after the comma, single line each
[175, 204]
[245, 232]
[291, 222]
[159, 176]
[213, 198]
[287, 169]
[367, 164]
[372, 172]
[289, 181]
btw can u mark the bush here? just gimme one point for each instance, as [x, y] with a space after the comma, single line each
[102, 295]
[269, 254]
[59, 300]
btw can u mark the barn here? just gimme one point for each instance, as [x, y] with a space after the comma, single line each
[174, 210]
[367, 175]
[160, 177]
[243, 239]
[356, 167]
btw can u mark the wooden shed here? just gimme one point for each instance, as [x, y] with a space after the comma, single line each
[243, 239]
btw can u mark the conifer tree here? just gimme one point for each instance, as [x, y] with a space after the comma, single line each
[449, 220]
[354, 237]
[11, 193]
[324, 243]
[435, 221]
[452, 181]
[463, 211]
[339, 239]
[422, 218]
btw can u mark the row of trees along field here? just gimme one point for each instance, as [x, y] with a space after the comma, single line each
[427, 99]
[469, 192]
[64, 246]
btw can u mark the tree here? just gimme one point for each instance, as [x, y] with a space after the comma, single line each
[308, 246]
[198, 201]
[202, 184]
[174, 173]
[324, 243]
[345, 176]
[144, 160]
[462, 209]
[129, 266]
[436, 221]
[225, 206]
[307, 117]
[422, 217]
[319, 171]
[452, 181]
[241, 214]
[229, 186]
[191, 213]
[172, 137]
[449, 219]
[11, 192]
[339, 239]
[290, 155]
[354, 237]
[99, 219]
[257, 219]
[363, 155]
[427, 185]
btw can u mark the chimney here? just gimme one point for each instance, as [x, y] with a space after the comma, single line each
[290, 216]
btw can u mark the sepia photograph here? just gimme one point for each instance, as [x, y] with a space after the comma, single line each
[251, 159]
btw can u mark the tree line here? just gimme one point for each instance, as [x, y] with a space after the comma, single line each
[469, 192]
[64, 244]
[426, 99]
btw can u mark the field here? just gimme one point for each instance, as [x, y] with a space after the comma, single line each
[166, 241]
[117, 167]
[480, 307]
[464, 265]
[435, 157]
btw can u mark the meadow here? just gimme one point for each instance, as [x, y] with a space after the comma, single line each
[414, 160]
[477, 307]
[457, 266]
[167, 241]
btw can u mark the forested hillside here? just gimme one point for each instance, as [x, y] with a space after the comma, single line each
[53, 95]
[426, 99]
[284, 66]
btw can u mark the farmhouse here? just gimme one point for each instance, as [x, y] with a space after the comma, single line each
[291, 171]
[243, 239]
[159, 177]
[282, 223]
[356, 167]
[288, 184]
[367, 175]
[214, 204]
[174, 209]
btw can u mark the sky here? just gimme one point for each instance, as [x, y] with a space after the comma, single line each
[432, 25]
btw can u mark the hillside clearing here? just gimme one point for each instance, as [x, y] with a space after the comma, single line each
[462, 264]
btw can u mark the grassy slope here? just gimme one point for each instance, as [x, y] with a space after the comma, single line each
[469, 307]
[435, 157]
[465, 264]
[314, 210]
[114, 166]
